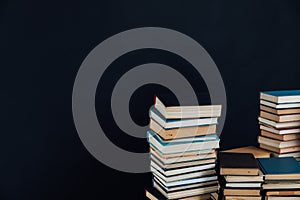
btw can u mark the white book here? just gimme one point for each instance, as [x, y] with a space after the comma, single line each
[280, 106]
[280, 131]
[173, 172]
[279, 124]
[202, 179]
[243, 185]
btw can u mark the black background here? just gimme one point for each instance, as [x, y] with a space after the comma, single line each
[255, 45]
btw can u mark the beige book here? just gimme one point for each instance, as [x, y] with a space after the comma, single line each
[279, 111]
[280, 150]
[284, 137]
[283, 193]
[278, 143]
[242, 192]
[280, 118]
[169, 134]
[242, 198]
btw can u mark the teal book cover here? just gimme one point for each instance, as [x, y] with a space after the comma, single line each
[287, 165]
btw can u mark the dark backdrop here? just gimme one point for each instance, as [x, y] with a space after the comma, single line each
[255, 45]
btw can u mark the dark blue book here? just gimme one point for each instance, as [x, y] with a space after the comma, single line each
[281, 97]
[286, 168]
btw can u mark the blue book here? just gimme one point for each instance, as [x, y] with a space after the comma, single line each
[204, 138]
[281, 97]
[285, 168]
[177, 123]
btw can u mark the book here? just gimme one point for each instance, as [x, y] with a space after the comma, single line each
[279, 111]
[280, 150]
[182, 164]
[191, 175]
[278, 143]
[280, 168]
[283, 193]
[188, 192]
[185, 186]
[282, 137]
[240, 179]
[243, 185]
[241, 192]
[154, 194]
[238, 164]
[171, 123]
[205, 178]
[280, 118]
[166, 148]
[169, 134]
[180, 159]
[169, 111]
[282, 198]
[280, 106]
[242, 198]
[178, 171]
[258, 153]
[280, 131]
[283, 185]
[203, 154]
[295, 154]
[279, 124]
[283, 96]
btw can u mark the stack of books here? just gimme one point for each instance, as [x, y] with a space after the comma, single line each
[282, 178]
[240, 176]
[280, 123]
[182, 142]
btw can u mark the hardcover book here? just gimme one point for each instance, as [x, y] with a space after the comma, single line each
[238, 164]
[280, 168]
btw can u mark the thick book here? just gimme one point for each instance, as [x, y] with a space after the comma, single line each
[177, 123]
[169, 134]
[280, 118]
[238, 164]
[282, 137]
[279, 125]
[280, 168]
[280, 131]
[278, 143]
[258, 153]
[280, 106]
[165, 147]
[281, 185]
[280, 111]
[283, 96]
[171, 110]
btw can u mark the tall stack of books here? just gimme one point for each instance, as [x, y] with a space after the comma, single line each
[182, 142]
[282, 178]
[240, 176]
[280, 123]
